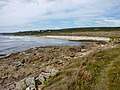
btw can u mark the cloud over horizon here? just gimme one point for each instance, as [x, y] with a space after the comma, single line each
[42, 14]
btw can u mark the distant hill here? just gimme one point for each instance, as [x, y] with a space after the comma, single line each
[66, 30]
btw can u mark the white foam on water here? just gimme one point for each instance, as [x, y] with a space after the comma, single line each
[10, 44]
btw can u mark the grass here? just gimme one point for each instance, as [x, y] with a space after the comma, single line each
[113, 74]
[98, 71]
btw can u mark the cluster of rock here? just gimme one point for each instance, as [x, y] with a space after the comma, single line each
[35, 83]
[116, 40]
[29, 70]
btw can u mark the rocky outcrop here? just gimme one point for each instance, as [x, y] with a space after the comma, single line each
[116, 40]
[30, 69]
[35, 83]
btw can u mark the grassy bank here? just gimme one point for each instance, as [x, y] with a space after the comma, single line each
[98, 71]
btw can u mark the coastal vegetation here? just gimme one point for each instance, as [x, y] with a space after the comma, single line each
[87, 67]
[97, 71]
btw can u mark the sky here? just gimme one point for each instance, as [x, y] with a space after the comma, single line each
[22, 15]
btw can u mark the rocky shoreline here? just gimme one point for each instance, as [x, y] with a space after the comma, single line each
[30, 69]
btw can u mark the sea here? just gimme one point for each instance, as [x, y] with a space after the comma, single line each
[12, 44]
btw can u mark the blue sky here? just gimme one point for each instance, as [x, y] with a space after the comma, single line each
[20, 15]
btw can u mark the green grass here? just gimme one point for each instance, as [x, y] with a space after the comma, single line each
[99, 71]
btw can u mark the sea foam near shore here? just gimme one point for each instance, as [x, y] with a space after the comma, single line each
[10, 44]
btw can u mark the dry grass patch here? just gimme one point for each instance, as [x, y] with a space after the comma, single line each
[88, 73]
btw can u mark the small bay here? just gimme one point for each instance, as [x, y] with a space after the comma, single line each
[12, 44]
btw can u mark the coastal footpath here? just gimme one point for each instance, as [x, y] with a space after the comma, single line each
[81, 38]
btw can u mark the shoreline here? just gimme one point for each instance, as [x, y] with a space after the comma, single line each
[71, 38]
[100, 40]
[81, 38]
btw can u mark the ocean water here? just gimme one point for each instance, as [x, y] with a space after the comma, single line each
[12, 44]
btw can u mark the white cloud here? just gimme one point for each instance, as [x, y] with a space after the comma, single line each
[19, 13]
[116, 22]
[22, 12]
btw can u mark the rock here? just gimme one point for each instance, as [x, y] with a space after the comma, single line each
[12, 68]
[60, 62]
[42, 61]
[102, 45]
[53, 72]
[18, 63]
[30, 81]
[31, 87]
[12, 87]
[72, 55]
[1, 80]
[82, 46]
[28, 88]
[83, 50]
[26, 84]
[23, 61]
[40, 87]
[46, 75]
[21, 85]
[41, 78]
